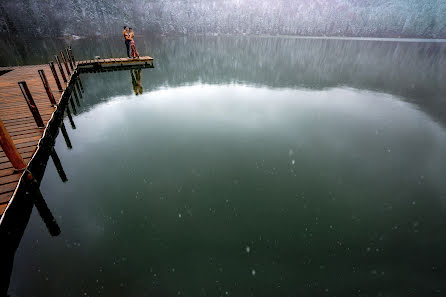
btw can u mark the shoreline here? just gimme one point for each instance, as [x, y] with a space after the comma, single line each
[353, 38]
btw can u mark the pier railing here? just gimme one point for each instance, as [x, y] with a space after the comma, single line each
[6, 141]
[67, 67]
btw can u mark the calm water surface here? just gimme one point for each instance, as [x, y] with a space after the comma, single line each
[249, 167]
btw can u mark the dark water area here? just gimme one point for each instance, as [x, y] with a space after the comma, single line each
[256, 166]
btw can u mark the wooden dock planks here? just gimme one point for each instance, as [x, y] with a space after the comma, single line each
[99, 64]
[19, 121]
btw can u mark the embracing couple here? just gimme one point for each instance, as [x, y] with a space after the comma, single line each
[130, 43]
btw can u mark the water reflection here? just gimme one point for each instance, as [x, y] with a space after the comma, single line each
[136, 81]
[18, 215]
[58, 165]
[414, 71]
[70, 117]
[267, 171]
[65, 135]
[251, 187]
[73, 107]
[29, 195]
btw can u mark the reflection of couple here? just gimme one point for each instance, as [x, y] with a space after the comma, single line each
[136, 81]
[130, 43]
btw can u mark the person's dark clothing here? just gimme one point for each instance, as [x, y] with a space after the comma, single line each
[127, 45]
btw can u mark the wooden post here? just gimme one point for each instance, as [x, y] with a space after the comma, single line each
[60, 69]
[64, 60]
[47, 87]
[72, 56]
[56, 77]
[10, 150]
[69, 59]
[31, 104]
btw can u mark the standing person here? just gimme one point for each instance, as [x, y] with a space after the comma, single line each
[126, 36]
[134, 52]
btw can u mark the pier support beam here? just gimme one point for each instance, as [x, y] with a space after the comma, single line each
[72, 56]
[60, 69]
[64, 60]
[47, 87]
[31, 104]
[10, 150]
[56, 77]
[69, 59]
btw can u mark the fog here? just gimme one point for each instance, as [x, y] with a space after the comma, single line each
[363, 18]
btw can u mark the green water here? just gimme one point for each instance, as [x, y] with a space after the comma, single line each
[249, 167]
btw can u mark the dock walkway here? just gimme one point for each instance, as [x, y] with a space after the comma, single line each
[18, 119]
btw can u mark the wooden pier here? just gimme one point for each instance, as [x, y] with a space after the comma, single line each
[114, 63]
[28, 99]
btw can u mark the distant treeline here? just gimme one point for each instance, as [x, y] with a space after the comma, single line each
[370, 18]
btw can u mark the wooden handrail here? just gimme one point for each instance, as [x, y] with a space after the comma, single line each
[47, 87]
[10, 150]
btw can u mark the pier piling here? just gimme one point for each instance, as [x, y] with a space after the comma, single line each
[56, 77]
[72, 56]
[60, 69]
[64, 60]
[69, 59]
[31, 104]
[21, 147]
[10, 149]
[46, 85]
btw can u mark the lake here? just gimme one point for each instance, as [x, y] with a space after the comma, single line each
[245, 166]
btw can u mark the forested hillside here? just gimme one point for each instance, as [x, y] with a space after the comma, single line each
[369, 18]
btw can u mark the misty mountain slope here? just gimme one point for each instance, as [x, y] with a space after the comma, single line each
[397, 18]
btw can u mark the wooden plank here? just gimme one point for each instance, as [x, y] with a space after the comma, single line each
[24, 155]
[10, 178]
[8, 165]
[5, 172]
[2, 208]
[7, 187]
[18, 119]
[5, 197]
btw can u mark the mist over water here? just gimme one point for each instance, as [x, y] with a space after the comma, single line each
[413, 71]
[257, 166]
[364, 18]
